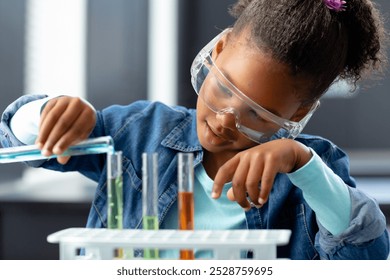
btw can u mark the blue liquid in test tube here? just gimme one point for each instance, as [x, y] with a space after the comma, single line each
[98, 145]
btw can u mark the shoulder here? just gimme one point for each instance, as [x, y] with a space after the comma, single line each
[146, 109]
[322, 146]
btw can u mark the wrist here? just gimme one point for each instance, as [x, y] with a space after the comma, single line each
[302, 155]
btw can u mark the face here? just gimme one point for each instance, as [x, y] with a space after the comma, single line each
[262, 79]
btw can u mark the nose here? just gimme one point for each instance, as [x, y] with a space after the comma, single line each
[227, 118]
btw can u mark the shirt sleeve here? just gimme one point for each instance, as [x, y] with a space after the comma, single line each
[25, 122]
[325, 192]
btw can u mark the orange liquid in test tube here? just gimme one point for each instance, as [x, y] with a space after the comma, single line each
[186, 197]
[186, 219]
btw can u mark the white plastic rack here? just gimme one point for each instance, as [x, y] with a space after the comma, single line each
[225, 244]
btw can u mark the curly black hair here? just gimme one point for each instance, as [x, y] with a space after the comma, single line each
[314, 41]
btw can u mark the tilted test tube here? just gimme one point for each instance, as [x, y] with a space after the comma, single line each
[150, 197]
[186, 197]
[97, 145]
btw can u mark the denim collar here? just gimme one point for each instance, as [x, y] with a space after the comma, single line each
[183, 137]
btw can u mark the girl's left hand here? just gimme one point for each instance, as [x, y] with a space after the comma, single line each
[259, 165]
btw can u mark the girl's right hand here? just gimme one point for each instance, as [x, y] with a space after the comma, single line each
[65, 120]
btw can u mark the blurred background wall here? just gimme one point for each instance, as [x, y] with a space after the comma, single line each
[113, 64]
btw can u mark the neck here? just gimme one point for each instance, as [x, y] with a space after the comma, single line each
[213, 161]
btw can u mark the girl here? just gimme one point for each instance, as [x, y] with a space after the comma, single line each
[258, 84]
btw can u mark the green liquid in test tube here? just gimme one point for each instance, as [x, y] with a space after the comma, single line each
[150, 197]
[115, 191]
[115, 194]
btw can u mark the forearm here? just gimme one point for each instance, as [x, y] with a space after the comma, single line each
[325, 192]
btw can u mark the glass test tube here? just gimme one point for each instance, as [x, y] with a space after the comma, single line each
[115, 194]
[186, 197]
[150, 197]
[114, 190]
[97, 145]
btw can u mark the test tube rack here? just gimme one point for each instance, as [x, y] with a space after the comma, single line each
[101, 243]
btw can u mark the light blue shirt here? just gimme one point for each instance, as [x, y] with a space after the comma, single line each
[210, 213]
[326, 194]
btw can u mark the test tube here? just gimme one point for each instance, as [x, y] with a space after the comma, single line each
[186, 197]
[114, 190]
[115, 194]
[97, 145]
[150, 197]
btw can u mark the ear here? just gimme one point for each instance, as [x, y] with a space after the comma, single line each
[221, 44]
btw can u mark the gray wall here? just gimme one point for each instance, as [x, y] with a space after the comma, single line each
[11, 65]
[199, 22]
[116, 51]
[11, 50]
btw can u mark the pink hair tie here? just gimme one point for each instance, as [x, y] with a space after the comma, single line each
[335, 5]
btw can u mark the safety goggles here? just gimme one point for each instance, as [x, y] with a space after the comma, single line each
[222, 97]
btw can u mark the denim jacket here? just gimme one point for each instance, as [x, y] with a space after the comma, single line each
[154, 127]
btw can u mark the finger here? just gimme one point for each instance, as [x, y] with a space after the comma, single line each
[224, 175]
[64, 123]
[49, 121]
[230, 194]
[44, 133]
[267, 181]
[239, 186]
[78, 132]
[253, 181]
[63, 159]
